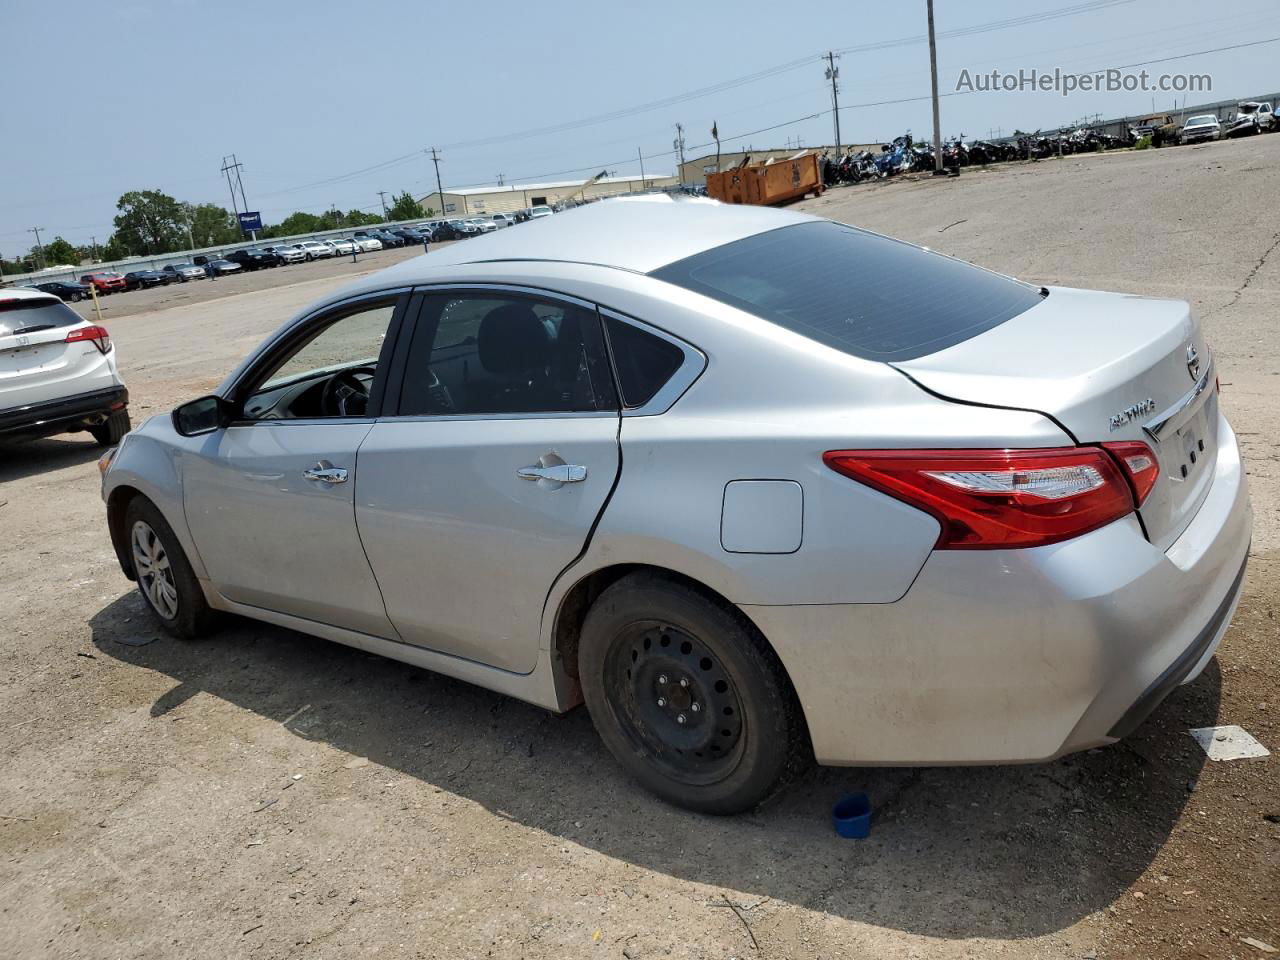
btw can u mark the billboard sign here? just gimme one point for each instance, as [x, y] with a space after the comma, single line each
[250, 220]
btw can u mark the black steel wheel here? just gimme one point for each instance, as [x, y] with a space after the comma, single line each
[674, 701]
[688, 696]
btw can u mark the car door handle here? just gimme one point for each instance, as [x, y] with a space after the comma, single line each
[560, 473]
[326, 472]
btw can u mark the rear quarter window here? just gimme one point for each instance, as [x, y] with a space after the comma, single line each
[863, 294]
[644, 363]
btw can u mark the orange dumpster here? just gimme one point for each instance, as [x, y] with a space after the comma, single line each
[768, 184]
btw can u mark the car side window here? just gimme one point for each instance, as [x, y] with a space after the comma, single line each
[644, 362]
[496, 353]
[330, 372]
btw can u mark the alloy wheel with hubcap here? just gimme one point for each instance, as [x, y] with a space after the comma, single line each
[154, 571]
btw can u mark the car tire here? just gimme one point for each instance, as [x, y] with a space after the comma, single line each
[75, 298]
[163, 572]
[111, 432]
[654, 650]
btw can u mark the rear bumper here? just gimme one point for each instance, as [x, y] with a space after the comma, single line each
[57, 416]
[1010, 656]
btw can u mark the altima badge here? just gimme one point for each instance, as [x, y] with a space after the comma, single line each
[1132, 413]
[1193, 362]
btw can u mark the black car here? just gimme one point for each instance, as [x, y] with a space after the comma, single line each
[254, 258]
[140, 279]
[75, 292]
[442, 231]
[388, 238]
[411, 237]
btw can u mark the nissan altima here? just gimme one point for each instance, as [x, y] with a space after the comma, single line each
[755, 486]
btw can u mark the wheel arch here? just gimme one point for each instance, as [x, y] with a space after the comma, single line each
[117, 505]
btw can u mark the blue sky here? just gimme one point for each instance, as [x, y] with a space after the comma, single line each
[105, 98]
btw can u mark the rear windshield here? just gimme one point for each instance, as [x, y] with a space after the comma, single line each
[28, 316]
[859, 292]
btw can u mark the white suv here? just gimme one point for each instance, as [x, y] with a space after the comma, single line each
[57, 371]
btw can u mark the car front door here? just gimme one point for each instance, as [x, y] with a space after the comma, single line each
[269, 499]
[485, 482]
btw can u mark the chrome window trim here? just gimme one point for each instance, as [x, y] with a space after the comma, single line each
[695, 362]
[550, 415]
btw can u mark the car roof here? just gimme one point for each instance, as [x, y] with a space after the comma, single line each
[639, 234]
[25, 293]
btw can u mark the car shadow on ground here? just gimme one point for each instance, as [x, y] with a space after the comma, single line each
[20, 459]
[1003, 852]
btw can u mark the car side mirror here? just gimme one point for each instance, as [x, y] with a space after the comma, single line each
[204, 415]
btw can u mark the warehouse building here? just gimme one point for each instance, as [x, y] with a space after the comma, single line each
[507, 198]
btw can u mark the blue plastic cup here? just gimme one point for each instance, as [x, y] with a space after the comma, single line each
[852, 816]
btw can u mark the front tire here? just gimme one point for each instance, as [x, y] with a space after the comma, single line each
[165, 579]
[687, 696]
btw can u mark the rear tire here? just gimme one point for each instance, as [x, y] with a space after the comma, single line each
[688, 697]
[112, 432]
[165, 579]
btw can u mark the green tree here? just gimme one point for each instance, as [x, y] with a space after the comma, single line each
[57, 252]
[150, 222]
[358, 218]
[405, 207]
[114, 249]
[210, 224]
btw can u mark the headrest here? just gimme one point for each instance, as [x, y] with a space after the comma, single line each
[513, 340]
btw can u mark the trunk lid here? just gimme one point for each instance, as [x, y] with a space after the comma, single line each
[1106, 367]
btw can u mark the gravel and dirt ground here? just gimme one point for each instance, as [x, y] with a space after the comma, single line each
[267, 795]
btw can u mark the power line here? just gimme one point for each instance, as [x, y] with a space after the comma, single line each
[1088, 7]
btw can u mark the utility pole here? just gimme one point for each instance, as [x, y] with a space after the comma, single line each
[641, 157]
[439, 189]
[833, 73]
[382, 195]
[94, 241]
[231, 165]
[933, 73]
[500, 176]
[678, 146]
[39, 248]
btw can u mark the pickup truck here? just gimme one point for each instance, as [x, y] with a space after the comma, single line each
[1251, 117]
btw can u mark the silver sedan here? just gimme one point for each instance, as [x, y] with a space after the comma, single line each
[755, 486]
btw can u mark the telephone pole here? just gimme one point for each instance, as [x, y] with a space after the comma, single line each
[230, 165]
[933, 73]
[678, 146]
[39, 247]
[641, 156]
[382, 195]
[439, 189]
[833, 73]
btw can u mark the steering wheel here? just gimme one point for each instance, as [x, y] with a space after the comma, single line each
[345, 394]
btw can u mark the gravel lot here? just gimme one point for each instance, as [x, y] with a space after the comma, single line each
[265, 795]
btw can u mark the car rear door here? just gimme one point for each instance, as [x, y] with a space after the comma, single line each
[37, 362]
[486, 482]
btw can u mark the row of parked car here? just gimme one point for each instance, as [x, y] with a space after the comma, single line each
[278, 254]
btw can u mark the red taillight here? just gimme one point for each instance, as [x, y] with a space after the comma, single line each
[1139, 465]
[101, 339]
[996, 499]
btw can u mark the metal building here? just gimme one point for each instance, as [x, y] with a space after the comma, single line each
[507, 198]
